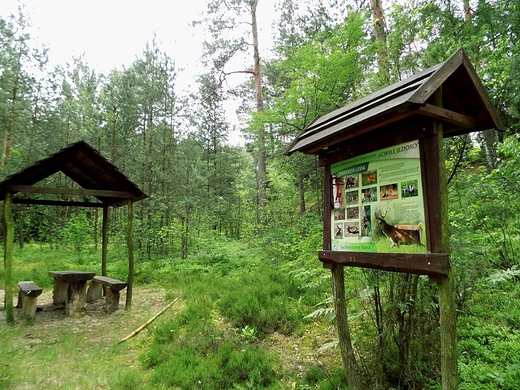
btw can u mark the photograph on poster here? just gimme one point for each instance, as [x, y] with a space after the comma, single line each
[409, 188]
[339, 214]
[389, 192]
[352, 181]
[366, 222]
[338, 188]
[369, 195]
[353, 212]
[352, 197]
[338, 230]
[351, 229]
[369, 178]
[378, 202]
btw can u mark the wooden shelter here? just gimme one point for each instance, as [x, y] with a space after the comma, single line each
[99, 180]
[445, 100]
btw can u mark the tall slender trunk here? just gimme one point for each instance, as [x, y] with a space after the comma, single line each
[9, 131]
[113, 138]
[261, 168]
[378, 22]
[467, 10]
[301, 187]
[489, 137]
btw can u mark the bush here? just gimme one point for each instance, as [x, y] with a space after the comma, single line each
[190, 352]
[265, 300]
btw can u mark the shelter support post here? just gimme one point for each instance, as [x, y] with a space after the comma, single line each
[130, 245]
[104, 244]
[8, 256]
[345, 342]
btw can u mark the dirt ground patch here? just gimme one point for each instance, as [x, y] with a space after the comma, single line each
[146, 302]
[62, 352]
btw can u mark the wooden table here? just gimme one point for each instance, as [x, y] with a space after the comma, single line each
[70, 289]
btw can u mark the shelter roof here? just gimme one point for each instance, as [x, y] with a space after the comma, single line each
[466, 108]
[83, 164]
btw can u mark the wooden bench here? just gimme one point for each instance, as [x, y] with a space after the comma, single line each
[27, 298]
[114, 286]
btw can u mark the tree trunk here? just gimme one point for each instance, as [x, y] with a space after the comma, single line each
[301, 187]
[380, 37]
[113, 137]
[184, 238]
[261, 168]
[489, 141]
[467, 10]
[8, 136]
[379, 380]
[21, 223]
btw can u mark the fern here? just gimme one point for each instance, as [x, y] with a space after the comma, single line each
[324, 312]
[504, 275]
[329, 345]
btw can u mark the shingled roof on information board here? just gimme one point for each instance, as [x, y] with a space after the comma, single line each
[466, 108]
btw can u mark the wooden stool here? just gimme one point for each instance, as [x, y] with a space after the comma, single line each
[28, 295]
[114, 286]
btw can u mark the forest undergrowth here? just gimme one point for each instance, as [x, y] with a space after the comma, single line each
[250, 315]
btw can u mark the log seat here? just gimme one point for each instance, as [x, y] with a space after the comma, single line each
[113, 288]
[28, 298]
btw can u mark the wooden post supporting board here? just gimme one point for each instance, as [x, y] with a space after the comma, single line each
[345, 342]
[448, 315]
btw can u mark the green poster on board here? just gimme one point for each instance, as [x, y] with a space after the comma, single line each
[378, 202]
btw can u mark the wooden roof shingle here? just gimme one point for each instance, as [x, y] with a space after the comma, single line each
[466, 107]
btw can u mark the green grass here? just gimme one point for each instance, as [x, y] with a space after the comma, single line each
[239, 323]
[71, 353]
[201, 343]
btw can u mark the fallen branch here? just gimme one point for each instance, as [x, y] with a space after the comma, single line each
[148, 322]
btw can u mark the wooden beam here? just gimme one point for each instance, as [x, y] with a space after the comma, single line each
[70, 191]
[130, 246]
[45, 202]
[327, 207]
[432, 264]
[482, 94]
[445, 115]
[8, 257]
[104, 244]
